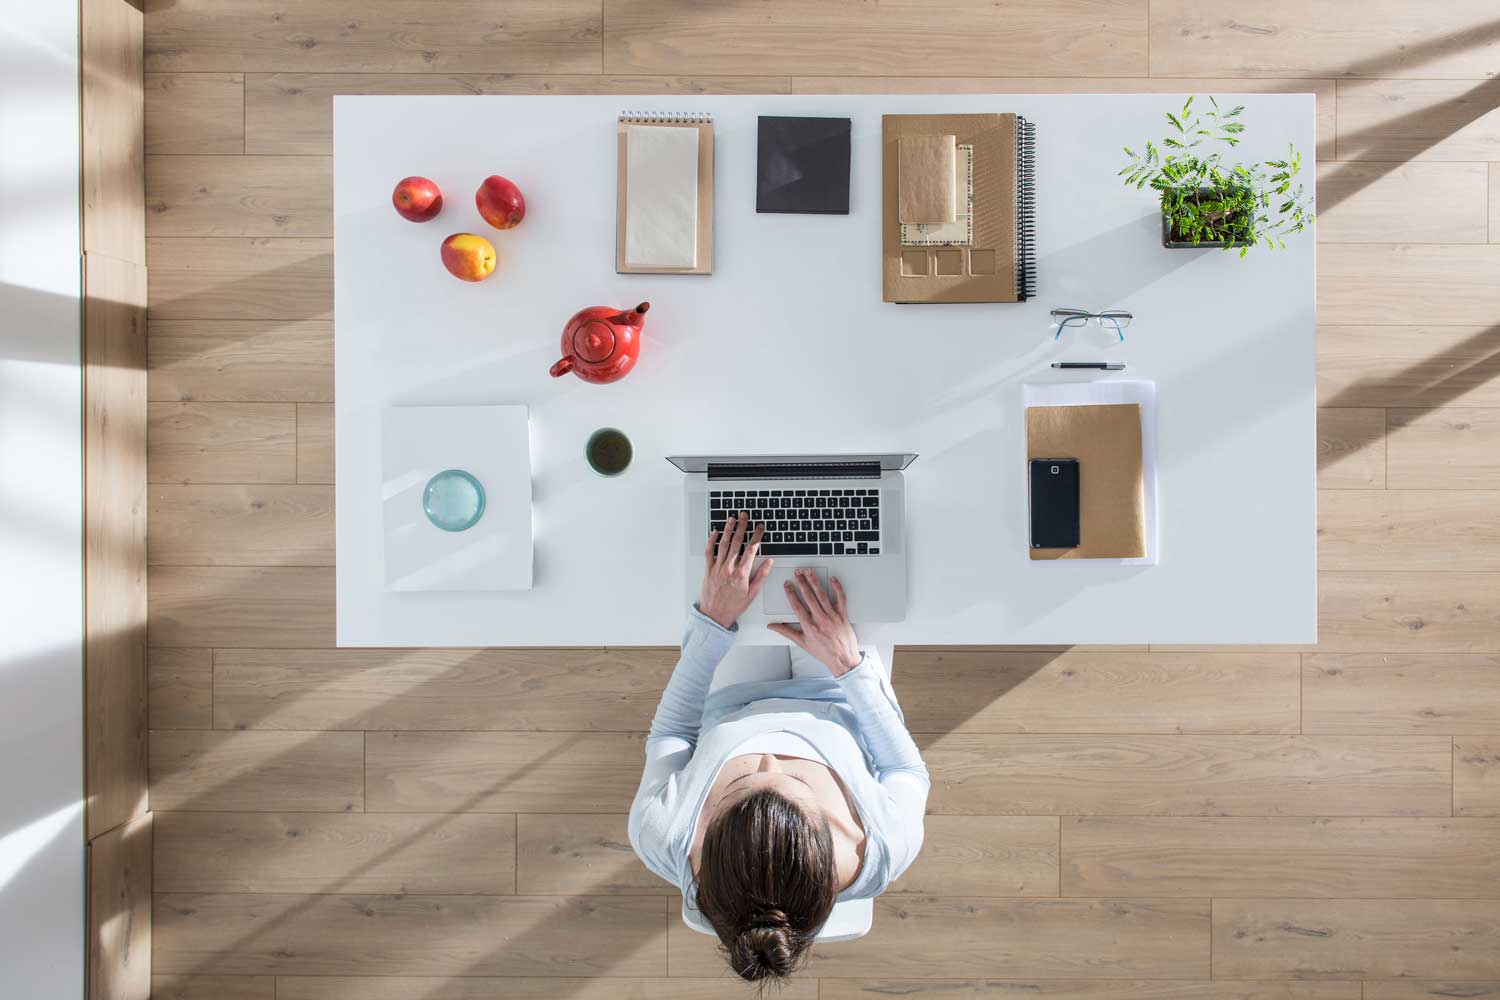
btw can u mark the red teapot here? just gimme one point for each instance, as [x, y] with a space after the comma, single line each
[601, 344]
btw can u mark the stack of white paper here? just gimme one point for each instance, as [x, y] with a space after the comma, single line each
[661, 196]
[491, 443]
[1104, 394]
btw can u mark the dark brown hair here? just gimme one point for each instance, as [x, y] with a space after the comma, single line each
[766, 882]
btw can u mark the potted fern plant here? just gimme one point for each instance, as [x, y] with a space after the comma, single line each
[1206, 202]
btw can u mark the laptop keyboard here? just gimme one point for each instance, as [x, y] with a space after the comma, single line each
[834, 522]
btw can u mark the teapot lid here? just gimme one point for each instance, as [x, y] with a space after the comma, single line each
[594, 341]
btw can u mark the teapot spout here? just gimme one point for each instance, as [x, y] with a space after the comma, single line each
[631, 317]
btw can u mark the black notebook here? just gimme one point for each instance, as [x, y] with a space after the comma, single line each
[802, 166]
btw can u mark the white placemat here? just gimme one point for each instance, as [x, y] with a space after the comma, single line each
[491, 443]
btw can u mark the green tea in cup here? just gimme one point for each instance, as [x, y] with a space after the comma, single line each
[608, 452]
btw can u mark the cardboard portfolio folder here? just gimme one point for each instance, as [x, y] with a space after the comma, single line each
[1106, 441]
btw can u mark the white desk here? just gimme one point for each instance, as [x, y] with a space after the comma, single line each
[788, 347]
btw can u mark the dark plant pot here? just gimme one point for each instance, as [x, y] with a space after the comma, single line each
[1175, 244]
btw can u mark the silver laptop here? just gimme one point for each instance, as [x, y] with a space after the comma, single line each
[839, 515]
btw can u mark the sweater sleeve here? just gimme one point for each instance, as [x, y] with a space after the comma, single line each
[898, 764]
[673, 737]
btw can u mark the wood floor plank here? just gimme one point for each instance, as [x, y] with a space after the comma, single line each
[1189, 775]
[292, 113]
[1351, 448]
[1026, 37]
[985, 856]
[260, 606]
[114, 421]
[1408, 283]
[180, 683]
[1476, 776]
[1494, 229]
[1362, 202]
[1409, 366]
[559, 36]
[1451, 448]
[241, 361]
[920, 937]
[1409, 612]
[111, 105]
[260, 772]
[1354, 693]
[1408, 529]
[1045, 989]
[1323, 89]
[503, 772]
[195, 114]
[1389, 38]
[241, 525]
[570, 854]
[238, 278]
[239, 196]
[331, 853]
[1313, 857]
[119, 909]
[961, 856]
[1409, 989]
[1090, 691]
[315, 443]
[1400, 120]
[410, 935]
[451, 689]
[213, 987]
[519, 988]
[221, 443]
[1372, 939]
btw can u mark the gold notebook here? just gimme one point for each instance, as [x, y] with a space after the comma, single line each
[1106, 441]
[990, 259]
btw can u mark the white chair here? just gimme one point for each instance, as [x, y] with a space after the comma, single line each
[849, 920]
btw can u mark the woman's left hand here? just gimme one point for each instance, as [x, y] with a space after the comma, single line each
[730, 578]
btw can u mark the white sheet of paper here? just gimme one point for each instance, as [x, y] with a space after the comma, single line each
[493, 444]
[661, 196]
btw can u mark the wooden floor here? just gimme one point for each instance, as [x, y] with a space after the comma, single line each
[1184, 823]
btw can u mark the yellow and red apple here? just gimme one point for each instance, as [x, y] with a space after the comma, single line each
[417, 199]
[469, 257]
[500, 203]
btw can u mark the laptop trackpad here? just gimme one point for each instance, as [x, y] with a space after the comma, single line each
[773, 595]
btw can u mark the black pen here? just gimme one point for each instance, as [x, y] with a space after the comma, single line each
[1103, 366]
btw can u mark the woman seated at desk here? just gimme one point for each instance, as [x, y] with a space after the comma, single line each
[779, 780]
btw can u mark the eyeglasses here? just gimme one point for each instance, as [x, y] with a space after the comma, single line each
[1115, 319]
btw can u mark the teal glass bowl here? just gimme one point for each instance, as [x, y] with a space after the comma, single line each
[453, 500]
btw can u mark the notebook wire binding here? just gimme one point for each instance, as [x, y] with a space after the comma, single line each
[666, 118]
[1025, 209]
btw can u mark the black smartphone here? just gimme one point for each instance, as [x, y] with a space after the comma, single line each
[1054, 503]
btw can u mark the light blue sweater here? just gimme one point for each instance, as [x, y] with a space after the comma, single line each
[853, 721]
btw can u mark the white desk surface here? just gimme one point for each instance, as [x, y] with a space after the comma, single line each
[788, 347]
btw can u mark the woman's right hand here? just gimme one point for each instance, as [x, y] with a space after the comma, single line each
[822, 627]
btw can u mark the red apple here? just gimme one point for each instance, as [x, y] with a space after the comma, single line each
[500, 203]
[469, 257]
[417, 199]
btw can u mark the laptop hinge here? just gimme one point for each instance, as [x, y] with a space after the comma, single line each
[794, 470]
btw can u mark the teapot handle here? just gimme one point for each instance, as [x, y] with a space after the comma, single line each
[562, 367]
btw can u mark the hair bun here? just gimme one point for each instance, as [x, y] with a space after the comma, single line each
[764, 947]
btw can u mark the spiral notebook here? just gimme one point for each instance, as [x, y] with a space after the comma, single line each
[975, 175]
[664, 209]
